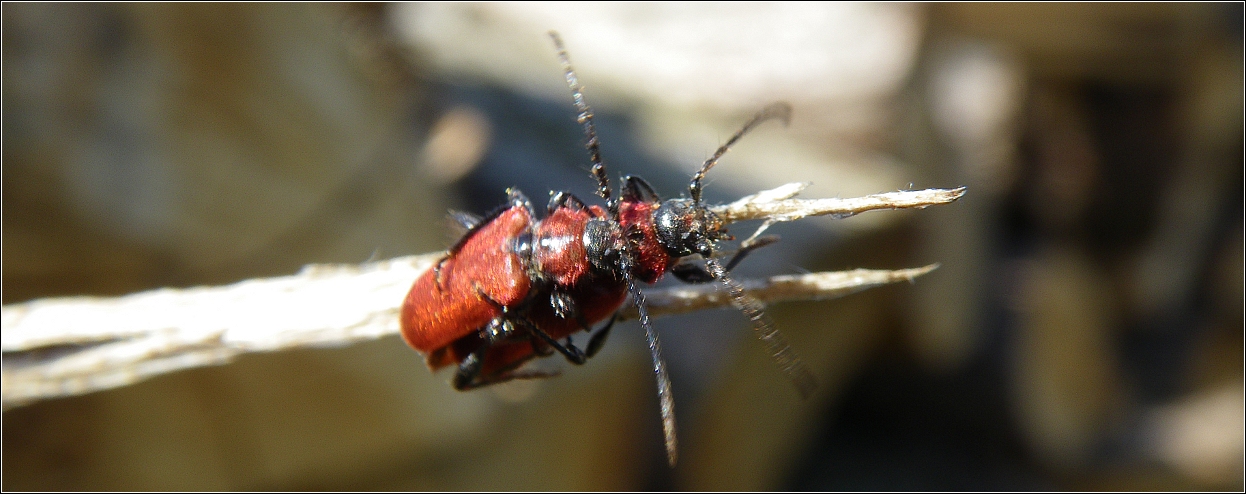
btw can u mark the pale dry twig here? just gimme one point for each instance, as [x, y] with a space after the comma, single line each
[74, 345]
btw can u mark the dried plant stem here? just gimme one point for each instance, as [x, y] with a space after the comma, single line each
[68, 346]
[786, 288]
[777, 204]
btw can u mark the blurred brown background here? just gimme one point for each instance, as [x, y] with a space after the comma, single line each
[1084, 331]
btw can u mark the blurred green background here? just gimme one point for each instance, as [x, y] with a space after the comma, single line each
[1084, 331]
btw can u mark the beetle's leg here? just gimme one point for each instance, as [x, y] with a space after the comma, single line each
[518, 200]
[689, 272]
[599, 338]
[464, 219]
[749, 246]
[437, 272]
[563, 199]
[636, 189]
[509, 376]
[468, 376]
[573, 354]
[540, 350]
[506, 377]
[563, 305]
[497, 330]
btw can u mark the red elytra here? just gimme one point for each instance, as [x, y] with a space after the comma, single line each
[448, 302]
[514, 287]
[486, 278]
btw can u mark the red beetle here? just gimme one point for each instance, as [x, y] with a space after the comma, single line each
[514, 287]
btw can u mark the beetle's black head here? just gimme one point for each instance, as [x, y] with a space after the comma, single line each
[686, 227]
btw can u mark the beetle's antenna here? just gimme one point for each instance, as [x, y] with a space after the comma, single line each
[666, 400]
[586, 119]
[780, 110]
[782, 354]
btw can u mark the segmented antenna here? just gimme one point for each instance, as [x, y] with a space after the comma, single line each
[665, 399]
[590, 132]
[780, 110]
[776, 345]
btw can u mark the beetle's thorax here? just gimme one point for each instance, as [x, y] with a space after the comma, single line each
[607, 241]
[558, 254]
